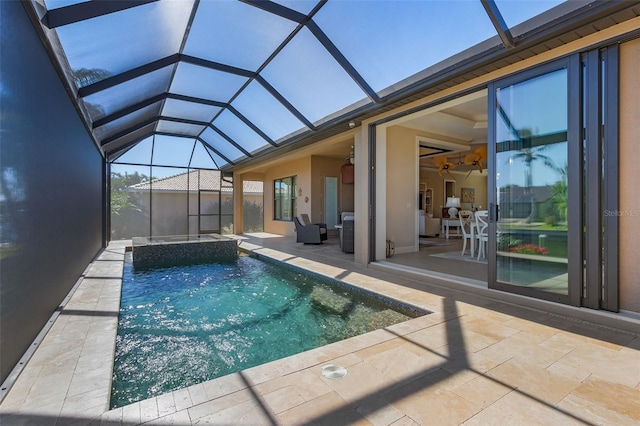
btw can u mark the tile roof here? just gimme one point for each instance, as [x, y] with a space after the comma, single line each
[195, 179]
[520, 194]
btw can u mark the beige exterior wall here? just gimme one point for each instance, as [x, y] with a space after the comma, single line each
[238, 222]
[322, 167]
[361, 199]
[629, 176]
[402, 189]
[310, 173]
[169, 213]
[300, 168]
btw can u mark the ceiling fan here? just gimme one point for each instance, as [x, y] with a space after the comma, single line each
[443, 165]
[476, 158]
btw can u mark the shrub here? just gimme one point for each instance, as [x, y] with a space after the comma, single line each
[529, 249]
[507, 242]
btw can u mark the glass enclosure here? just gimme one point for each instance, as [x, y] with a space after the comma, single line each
[253, 206]
[531, 183]
[246, 77]
[149, 197]
[130, 215]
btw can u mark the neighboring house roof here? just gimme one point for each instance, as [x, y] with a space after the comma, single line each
[208, 180]
[520, 194]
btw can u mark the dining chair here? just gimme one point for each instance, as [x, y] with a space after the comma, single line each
[467, 214]
[466, 225]
[482, 231]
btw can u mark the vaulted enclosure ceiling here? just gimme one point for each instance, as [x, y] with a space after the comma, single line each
[243, 78]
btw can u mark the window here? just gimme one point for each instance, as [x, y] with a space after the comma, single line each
[284, 198]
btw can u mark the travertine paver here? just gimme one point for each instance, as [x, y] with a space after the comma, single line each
[473, 361]
[68, 378]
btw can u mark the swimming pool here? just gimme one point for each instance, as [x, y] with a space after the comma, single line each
[180, 326]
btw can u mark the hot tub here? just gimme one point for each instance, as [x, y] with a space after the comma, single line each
[152, 252]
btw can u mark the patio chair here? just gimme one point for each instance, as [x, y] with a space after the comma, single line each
[308, 234]
[304, 219]
[347, 234]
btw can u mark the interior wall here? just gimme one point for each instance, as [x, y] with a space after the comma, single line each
[302, 170]
[436, 182]
[51, 182]
[402, 189]
[629, 213]
[478, 182]
[475, 180]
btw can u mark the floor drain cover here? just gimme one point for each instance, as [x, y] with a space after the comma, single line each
[333, 372]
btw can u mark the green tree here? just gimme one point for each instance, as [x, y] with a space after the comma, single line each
[126, 214]
[120, 199]
[87, 76]
[252, 216]
[529, 155]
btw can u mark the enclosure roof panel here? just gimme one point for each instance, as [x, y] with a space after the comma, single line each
[245, 78]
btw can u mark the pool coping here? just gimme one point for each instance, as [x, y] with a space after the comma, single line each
[69, 373]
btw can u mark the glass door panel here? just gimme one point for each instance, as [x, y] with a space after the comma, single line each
[531, 185]
[331, 202]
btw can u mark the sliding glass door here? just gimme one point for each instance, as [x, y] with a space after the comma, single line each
[533, 140]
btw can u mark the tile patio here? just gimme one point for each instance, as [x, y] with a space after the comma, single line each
[474, 360]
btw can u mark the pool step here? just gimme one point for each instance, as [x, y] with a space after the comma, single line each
[330, 301]
[359, 318]
[362, 320]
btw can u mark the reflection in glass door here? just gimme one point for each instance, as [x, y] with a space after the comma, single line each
[530, 221]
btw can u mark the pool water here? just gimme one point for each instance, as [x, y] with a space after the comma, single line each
[184, 325]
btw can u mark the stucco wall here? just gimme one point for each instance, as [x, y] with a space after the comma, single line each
[402, 189]
[629, 176]
[310, 172]
[302, 170]
[322, 167]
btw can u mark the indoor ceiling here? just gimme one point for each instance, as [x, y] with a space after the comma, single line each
[464, 123]
[452, 129]
[237, 79]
